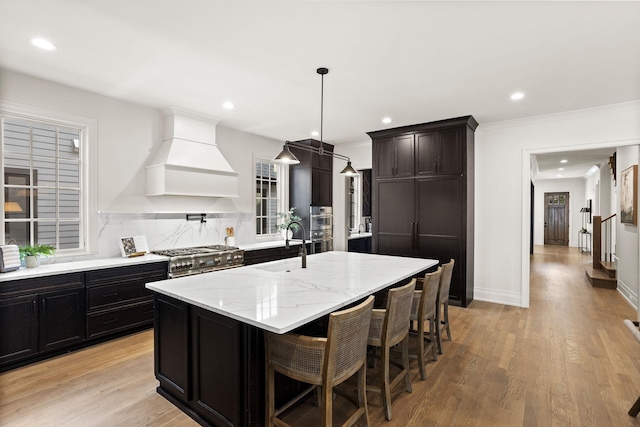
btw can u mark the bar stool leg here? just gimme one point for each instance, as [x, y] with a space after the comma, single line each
[386, 393]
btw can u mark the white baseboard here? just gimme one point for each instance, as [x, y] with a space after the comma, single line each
[628, 294]
[497, 296]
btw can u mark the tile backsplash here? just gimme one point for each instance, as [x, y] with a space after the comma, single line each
[164, 231]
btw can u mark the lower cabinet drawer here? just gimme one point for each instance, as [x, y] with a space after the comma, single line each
[110, 321]
[102, 296]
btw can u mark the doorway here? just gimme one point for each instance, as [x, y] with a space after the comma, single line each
[556, 219]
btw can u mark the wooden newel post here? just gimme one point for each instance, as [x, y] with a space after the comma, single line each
[597, 241]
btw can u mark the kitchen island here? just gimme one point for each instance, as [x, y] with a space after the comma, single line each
[208, 328]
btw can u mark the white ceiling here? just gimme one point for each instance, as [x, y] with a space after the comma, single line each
[413, 61]
[577, 163]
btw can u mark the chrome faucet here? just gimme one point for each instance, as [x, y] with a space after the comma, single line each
[303, 250]
[361, 225]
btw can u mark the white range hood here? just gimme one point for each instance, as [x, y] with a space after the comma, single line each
[189, 163]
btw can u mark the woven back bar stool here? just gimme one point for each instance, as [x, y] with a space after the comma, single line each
[324, 362]
[423, 311]
[442, 318]
[388, 328]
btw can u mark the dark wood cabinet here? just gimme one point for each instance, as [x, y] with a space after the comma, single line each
[19, 320]
[393, 156]
[61, 319]
[422, 202]
[362, 245]
[310, 181]
[393, 217]
[439, 152]
[321, 188]
[40, 315]
[46, 316]
[171, 352]
[216, 344]
[117, 298]
[211, 366]
[203, 360]
[257, 256]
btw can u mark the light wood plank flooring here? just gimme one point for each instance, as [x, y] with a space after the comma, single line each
[567, 360]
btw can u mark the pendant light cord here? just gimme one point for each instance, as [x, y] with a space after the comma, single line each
[322, 71]
[321, 105]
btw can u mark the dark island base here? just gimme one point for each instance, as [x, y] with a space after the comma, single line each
[212, 367]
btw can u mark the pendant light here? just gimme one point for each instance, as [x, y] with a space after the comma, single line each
[287, 157]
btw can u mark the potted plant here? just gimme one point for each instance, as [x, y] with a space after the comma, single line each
[285, 219]
[31, 253]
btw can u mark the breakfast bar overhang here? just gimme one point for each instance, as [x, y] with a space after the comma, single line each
[209, 354]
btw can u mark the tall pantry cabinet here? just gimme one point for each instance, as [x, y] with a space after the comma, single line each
[422, 201]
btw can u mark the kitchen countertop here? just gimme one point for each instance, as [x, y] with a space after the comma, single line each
[268, 245]
[359, 235]
[75, 266]
[96, 264]
[280, 296]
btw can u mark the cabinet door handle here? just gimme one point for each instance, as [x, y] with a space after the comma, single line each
[34, 305]
[43, 304]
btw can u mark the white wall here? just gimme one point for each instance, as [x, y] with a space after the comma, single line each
[128, 136]
[129, 133]
[502, 173]
[592, 188]
[626, 248]
[576, 188]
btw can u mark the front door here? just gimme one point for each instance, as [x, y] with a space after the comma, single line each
[556, 219]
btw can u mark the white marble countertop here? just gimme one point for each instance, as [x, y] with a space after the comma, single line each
[74, 266]
[267, 245]
[280, 295]
[358, 235]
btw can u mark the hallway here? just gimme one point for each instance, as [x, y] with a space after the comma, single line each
[567, 360]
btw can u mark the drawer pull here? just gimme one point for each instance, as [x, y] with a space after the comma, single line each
[113, 294]
[104, 322]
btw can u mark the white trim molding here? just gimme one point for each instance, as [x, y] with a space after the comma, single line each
[89, 185]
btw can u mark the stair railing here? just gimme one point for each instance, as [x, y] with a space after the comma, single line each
[608, 228]
[603, 232]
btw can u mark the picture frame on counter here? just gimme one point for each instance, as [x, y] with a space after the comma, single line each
[133, 246]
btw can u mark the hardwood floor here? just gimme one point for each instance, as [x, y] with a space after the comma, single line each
[567, 360]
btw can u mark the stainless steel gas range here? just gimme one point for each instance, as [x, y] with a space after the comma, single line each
[201, 259]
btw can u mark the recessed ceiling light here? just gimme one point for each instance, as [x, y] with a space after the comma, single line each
[560, 169]
[315, 133]
[386, 120]
[228, 105]
[517, 95]
[564, 161]
[43, 44]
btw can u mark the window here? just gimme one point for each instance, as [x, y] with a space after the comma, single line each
[353, 197]
[268, 182]
[42, 176]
